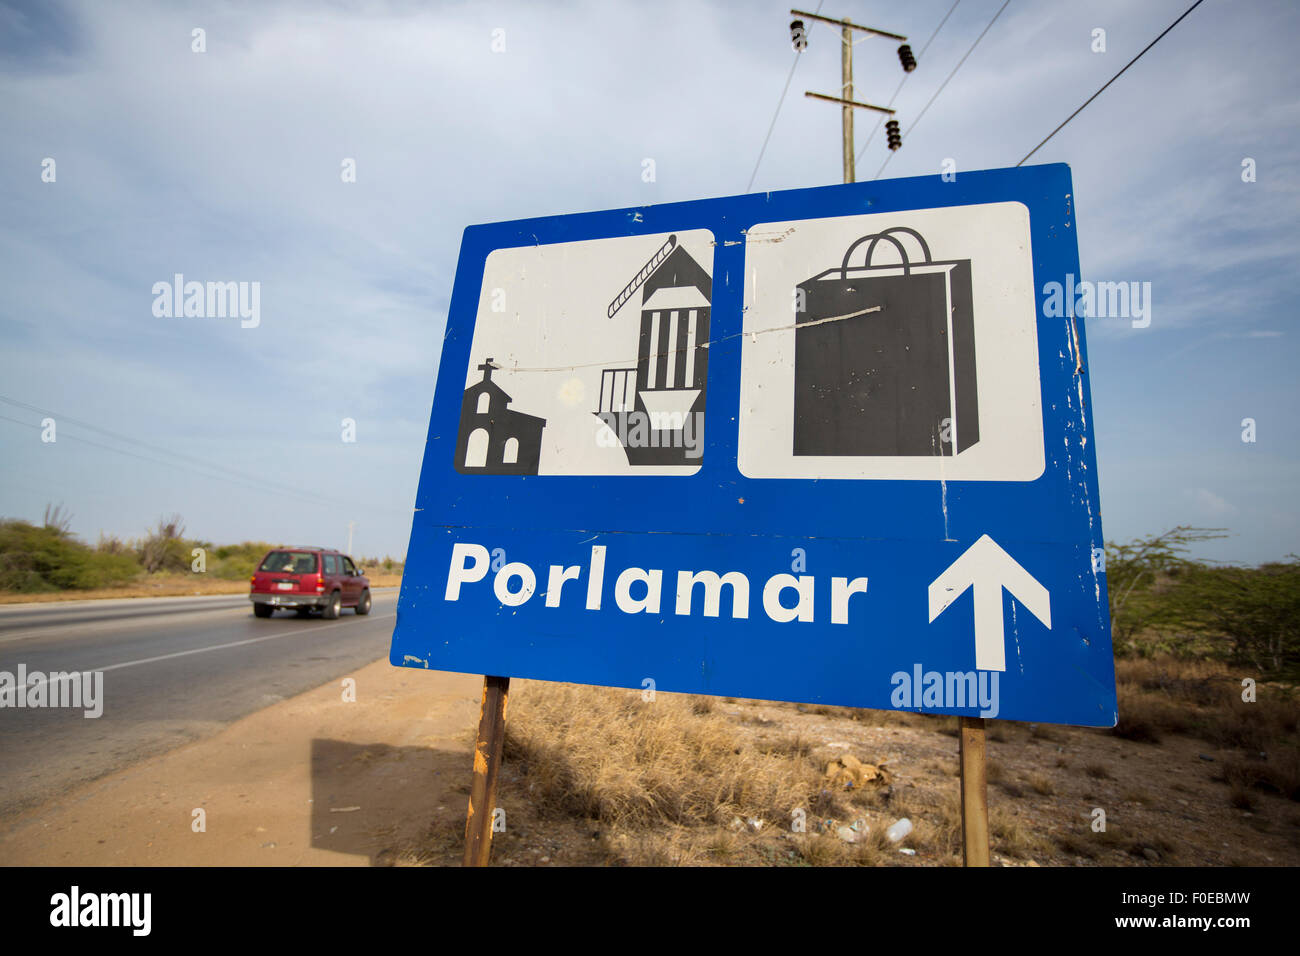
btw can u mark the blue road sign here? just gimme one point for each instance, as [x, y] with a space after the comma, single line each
[827, 445]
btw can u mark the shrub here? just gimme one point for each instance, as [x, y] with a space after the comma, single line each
[233, 562]
[36, 559]
[164, 548]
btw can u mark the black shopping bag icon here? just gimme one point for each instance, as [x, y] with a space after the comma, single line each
[885, 356]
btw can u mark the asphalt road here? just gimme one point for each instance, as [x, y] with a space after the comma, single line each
[174, 670]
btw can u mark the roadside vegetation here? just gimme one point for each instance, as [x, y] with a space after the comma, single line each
[1163, 604]
[49, 560]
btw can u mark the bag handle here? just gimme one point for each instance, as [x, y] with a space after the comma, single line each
[875, 239]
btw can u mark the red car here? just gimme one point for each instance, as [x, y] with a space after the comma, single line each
[307, 579]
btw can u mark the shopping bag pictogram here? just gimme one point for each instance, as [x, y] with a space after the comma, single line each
[885, 356]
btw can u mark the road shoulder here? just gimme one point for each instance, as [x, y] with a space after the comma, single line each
[312, 780]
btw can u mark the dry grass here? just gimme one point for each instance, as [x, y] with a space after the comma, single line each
[157, 585]
[706, 781]
[939, 833]
[1012, 836]
[163, 585]
[700, 704]
[610, 756]
[1044, 732]
[1077, 844]
[671, 782]
[1202, 699]
[1041, 784]
[1277, 772]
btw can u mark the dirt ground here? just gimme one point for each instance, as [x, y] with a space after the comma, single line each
[315, 780]
[311, 780]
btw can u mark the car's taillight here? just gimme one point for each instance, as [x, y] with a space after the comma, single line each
[320, 583]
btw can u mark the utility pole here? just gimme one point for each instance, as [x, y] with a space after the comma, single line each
[845, 99]
[351, 525]
[846, 111]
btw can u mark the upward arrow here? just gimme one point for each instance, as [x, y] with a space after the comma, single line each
[987, 569]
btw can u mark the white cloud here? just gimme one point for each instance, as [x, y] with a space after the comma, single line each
[1207, 502]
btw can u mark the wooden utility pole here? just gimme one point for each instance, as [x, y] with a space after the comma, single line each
[845, 99]
[846, 74]
[487, 761]
[974, 793]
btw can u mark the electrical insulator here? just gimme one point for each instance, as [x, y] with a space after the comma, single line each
[905, 57]
[893, 135]
[798, 36]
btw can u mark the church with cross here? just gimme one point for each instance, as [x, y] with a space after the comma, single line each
[494, 439]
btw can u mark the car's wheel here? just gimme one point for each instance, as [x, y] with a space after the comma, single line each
[363, 605]
[263, 610]
[334, 608]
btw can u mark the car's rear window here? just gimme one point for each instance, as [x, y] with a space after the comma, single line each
[290, 562]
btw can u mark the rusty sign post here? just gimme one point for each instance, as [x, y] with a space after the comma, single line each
[487, 762]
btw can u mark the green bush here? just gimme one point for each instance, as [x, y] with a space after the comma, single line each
[1162, 603]
[231, 562]
[1254, 613]
[165, 548]
[36, 559]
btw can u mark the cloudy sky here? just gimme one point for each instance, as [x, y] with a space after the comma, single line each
[226, 165]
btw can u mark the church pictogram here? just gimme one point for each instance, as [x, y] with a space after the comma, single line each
[601, 359]
[494, 438]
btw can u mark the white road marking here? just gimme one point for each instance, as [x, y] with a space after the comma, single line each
[217, 647]
[123, 621]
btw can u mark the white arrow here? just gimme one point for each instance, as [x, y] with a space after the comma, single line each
[987, 569]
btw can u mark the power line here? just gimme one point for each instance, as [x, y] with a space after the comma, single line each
[1110, 81]
[213, 466]
[779, 104]
[920, 56]
[229, 475]
[172, 464]
[772, 125]
[945, 82]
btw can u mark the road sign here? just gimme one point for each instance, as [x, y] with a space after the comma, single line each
[822, 445]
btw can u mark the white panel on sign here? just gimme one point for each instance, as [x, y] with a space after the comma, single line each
[892, 346]
[598, 363]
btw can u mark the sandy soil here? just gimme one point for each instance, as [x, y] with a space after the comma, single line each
[311, 780]
[1164, 803]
